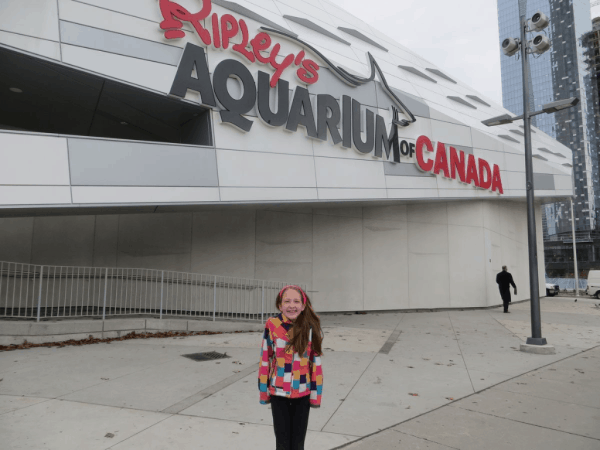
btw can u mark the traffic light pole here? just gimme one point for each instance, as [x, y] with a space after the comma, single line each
[534, 285]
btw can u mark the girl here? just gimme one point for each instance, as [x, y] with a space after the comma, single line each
[290, 376]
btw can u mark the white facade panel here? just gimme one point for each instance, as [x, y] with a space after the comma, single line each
[336, 12]
[35, 195]
[348, 173]
[462, 194]
[492, 157]
[245, 194]
[515, 163]
[449, 133]
[155, 76]
[129, 194]
[310, 9]
[428, 254]
[465, 213]
[36, 18]
[337, 262]
[33, 160]
[351, 193]
[104, 19]
[262, 138]
[563, 182]
[448, 183]
[134, 8]
[441, 117]
[407, 182]
[49, 49]
[328, 150]
[385, 262]
[514, 180]
[540, 166]
[396, 81]
[412, 193]
[467, 281]
[253, 169]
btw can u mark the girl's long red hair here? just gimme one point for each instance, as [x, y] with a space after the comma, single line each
[306, 320]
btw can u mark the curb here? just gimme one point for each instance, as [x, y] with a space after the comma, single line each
[15, 333]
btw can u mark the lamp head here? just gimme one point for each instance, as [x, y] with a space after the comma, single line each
[538, 22]
[539, 44]
[560, 105]
[499, 120]
[510, 46]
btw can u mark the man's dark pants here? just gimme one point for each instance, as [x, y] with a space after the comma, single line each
[505, 294]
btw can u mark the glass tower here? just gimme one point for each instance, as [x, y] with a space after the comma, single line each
[562, 72]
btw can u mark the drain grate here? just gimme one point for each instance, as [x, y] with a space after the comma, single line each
[206, 356]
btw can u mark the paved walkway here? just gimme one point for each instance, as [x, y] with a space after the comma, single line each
[556, 407]
[143, 394]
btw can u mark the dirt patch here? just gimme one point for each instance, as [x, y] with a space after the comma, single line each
[133, 335]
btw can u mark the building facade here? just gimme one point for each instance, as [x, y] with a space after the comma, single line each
[259, 141]
[560, 73]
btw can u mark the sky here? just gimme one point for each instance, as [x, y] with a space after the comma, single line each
[459, 36]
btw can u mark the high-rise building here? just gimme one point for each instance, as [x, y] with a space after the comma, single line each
[591, 47]
[560, 73]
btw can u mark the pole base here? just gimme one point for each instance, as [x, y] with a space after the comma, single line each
[536, 341]
[538, 349]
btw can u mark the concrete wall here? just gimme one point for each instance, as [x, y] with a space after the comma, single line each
[422, 255]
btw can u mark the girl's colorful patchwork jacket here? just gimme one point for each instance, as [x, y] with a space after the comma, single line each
[287, 374]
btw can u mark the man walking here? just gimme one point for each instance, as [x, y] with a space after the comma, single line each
[504, 280]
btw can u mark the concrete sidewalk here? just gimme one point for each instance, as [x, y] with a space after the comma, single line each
[144, 394]
[556, 407]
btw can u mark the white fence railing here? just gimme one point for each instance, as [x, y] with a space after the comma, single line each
[41, 291]
[567, 284]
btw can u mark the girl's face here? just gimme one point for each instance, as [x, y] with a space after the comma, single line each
[291, 304]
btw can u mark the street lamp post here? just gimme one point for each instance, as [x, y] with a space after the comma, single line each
[534, 285]
[575, 269]
[538, 45]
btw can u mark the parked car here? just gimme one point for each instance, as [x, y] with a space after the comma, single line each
[593, 283]
[551, 289]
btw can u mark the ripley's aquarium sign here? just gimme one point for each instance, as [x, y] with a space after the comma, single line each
[218, 32]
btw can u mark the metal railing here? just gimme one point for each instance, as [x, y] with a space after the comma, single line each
[567, 284]
[42, 291]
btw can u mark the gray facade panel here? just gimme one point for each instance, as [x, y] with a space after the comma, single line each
[107, 41]
[403, 170]
[111, 163]
[543, 181]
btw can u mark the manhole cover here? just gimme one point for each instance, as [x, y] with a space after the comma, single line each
[206, 356]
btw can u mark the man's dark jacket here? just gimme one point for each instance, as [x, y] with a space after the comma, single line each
[505, 280]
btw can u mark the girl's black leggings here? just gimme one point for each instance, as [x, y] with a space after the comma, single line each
[290, 420]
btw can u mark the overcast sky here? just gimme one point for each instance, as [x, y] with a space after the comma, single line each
[459, 36]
